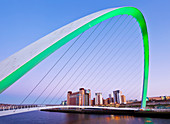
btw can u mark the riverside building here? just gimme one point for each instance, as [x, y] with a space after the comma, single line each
[98, 99]
[117, 96]
[111, 99]
[81, 98]
[123, 98]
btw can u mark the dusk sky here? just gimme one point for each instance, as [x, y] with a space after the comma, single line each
[23, 22]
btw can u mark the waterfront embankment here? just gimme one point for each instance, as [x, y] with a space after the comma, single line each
[161, 113]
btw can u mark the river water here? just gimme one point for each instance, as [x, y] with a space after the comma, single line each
[41, 117]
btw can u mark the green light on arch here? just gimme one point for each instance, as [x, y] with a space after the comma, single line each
[13, 77]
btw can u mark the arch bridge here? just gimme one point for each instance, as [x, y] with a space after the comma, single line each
[18, 64]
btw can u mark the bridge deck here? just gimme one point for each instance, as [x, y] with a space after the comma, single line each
[16, 111]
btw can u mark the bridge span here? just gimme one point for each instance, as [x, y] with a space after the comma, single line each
[38, 108]
[20, 63]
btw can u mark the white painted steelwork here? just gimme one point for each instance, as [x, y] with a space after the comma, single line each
[21, 57]
[16, 111]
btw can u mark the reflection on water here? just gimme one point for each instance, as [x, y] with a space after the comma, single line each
[39, 117]
[148, 121]
[102, 119]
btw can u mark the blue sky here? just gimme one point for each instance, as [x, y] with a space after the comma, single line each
[23, 22]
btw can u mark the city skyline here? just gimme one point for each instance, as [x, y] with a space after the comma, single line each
[83, 97]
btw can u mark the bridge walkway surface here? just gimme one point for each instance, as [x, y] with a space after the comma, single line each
[11, 111]
[161, 113]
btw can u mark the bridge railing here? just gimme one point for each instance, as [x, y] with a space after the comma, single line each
[15, 107]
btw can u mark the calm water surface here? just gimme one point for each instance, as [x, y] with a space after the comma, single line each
[40, 117]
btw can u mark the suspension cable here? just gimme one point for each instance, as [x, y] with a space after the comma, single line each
[50, 70]
[99, 49]
[65, 65]
[83, 69]
[76, 62]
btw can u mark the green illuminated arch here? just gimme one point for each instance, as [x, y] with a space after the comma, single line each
[19, 72]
